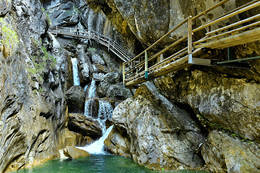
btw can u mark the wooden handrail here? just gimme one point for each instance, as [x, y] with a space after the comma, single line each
[234, 24]
[229, 32]
[210, 9]
[104, 40]
[160, 39]
[256, 4]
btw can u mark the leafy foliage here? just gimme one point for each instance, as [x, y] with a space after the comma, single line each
[9, 36]
[42, 62]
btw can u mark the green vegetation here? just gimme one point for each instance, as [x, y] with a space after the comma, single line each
[92, 50]
[9, 36]
[47, 17]
[41, 62]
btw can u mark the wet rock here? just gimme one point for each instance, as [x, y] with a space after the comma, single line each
[86, 126]
[160, 134]
[70, 138]
[85, 64]
[117, 144]
[223, 153]
[5, 7]
[225, 102]
[75, 97]
[96, 59]
[112, 77]
[74, 153]
[63, 14]
[98, 76]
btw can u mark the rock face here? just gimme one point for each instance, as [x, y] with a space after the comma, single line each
[74, 153]
[229, 103]
[75, 97]
[224, 153]
[117, 144]
[159, 137]
[84, 125]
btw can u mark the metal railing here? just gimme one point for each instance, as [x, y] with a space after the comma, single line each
[92, 35]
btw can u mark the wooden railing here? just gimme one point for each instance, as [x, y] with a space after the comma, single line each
[182, 51]
[92, 35]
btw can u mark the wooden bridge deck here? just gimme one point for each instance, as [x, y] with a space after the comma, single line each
[186, 50]
[114, 47]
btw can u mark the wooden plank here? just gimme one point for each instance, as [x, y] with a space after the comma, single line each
[256, 4]
[199, 61]
[242, 38]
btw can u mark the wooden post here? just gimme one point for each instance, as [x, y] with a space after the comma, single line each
[190, 38]
[146, 66]
[124, 73]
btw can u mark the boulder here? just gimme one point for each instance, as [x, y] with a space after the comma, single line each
[75, 97]
[70, 138]
[63, 14]
[74, 153]
[117, 144]
[223, 153]
[161, 135]
[96, 59]
[84, 125]
[5, 7]
[225, 102]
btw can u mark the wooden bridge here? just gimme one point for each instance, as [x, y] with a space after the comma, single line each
[184, 51]
[113, 46]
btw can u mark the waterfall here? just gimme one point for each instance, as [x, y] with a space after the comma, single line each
[105, 111]
[76, 80]
[92, 89]
[98, 146]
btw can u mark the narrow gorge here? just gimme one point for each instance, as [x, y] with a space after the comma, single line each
[136, 86]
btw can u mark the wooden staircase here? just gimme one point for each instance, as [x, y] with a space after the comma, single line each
[188, 49]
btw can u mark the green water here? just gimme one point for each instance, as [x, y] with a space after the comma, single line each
[95, 164]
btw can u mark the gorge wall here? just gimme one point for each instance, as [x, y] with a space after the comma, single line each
[197, 118]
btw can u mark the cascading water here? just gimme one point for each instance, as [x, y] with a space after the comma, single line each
[98, 146]
[76, 80]
[104, 112]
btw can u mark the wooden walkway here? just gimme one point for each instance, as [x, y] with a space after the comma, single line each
[114, 47]
[186, 50]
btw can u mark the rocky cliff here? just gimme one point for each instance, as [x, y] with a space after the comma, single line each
[197, 118]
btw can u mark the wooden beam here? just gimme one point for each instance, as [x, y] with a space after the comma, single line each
[190, 37]
[146, 65]
[123, 73]
[242, 38]
[199, 61]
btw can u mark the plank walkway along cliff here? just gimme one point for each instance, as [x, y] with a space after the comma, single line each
[92, 35]
[183, 52]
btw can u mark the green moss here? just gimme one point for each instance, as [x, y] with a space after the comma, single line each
[9, 36]
[41, 62]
